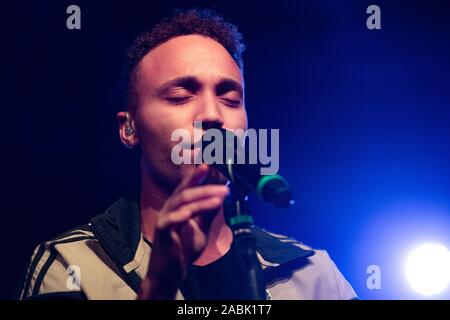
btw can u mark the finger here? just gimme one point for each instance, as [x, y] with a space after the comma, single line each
[172, 219]
[184, 213]
[200, 174]
[204, 205]
[192, 194]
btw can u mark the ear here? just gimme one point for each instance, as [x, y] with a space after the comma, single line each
[128, 140]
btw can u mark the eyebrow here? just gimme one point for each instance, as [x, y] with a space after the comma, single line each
[191, 83]
[228, 84]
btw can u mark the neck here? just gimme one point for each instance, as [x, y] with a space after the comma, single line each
[152, 200]
[219, 241]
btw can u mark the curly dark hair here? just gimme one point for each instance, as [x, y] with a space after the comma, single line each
[194, 21]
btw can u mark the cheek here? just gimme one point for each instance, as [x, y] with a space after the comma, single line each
[236, 118]
[155, 126]
[245, 119]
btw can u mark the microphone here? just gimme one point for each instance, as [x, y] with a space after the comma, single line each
[247, 177]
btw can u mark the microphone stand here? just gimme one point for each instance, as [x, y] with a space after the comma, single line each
[251, 280]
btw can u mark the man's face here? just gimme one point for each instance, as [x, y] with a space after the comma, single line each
[186, 79]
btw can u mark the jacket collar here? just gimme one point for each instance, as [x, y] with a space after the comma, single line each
[119, 232]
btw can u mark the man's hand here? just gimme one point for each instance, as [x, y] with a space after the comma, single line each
[181, 233]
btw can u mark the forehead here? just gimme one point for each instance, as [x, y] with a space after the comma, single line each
[190, 55]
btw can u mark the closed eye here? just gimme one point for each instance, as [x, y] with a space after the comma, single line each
[178, 100]
[231, 102]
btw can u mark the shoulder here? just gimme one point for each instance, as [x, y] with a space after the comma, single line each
[95, 261]
[49, 270]
[295, 270]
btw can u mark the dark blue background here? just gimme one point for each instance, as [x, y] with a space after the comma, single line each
[363, 118]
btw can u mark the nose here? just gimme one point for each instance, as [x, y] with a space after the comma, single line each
[209, 114]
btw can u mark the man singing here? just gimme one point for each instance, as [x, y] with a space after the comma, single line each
[170, 239]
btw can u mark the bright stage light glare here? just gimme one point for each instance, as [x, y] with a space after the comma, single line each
[428, 269]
